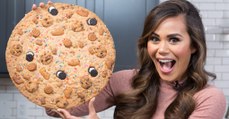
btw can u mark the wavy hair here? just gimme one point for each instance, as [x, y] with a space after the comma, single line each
[141, 102]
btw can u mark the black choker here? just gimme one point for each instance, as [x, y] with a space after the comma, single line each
[177, 85]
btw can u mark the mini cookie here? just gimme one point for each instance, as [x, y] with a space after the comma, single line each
[44, 73]
[60, 55]
[31, 66]
[35, 32]
[46, 21]
[16, 49]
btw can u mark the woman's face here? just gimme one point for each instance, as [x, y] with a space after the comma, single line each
[170, 48]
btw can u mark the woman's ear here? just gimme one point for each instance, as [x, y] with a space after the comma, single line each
[193, 49]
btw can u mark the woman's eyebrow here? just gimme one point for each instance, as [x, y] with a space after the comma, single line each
[154, 34]
[174, 35]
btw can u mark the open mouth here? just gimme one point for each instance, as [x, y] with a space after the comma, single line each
[167, 65]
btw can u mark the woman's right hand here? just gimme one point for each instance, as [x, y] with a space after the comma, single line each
[64, 114]
[41, 4]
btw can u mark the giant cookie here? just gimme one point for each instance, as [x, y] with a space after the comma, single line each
[60, 56]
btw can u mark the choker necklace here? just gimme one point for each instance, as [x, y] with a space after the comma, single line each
[177, 85]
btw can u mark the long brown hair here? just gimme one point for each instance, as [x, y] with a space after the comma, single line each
[141, 102]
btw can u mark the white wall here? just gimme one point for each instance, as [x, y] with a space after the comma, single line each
[215, 14]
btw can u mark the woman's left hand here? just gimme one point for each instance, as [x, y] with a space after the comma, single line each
[41, 4]
[92, 113]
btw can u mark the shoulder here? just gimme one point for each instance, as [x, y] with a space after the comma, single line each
[123, 77]
[210, 92]
[128, 73]
[210, 102]
[120, 81]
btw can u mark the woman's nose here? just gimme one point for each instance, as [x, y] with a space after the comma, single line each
[163, 47]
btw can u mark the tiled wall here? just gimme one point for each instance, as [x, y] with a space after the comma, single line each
[215, 14]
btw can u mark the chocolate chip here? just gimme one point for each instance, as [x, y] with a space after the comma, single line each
[61, 74]
[92, 71]
[92, 21]
[53, 11]
[16, 50]
[29, 56]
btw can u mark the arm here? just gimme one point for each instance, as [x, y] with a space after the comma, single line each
[106, 98]
[118, 83]
[211, 104]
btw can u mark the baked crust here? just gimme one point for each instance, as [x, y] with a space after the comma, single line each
[60, 56]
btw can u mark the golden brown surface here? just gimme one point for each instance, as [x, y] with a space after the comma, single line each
[60, 61]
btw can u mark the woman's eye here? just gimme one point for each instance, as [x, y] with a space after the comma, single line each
[154, 39]
[174, 40]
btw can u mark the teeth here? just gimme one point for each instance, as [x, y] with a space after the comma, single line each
[165, 61]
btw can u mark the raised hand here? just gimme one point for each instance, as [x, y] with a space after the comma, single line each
[41, 4]
[92, 113]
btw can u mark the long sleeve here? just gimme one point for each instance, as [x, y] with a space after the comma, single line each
[118, 83]
[211, 104]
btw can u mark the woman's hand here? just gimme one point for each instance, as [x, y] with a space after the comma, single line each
[92, 114]
[41, 4]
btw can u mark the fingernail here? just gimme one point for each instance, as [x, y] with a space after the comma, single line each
[93, 99]
[49, 2]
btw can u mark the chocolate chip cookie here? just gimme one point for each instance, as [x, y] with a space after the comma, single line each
[60, 55]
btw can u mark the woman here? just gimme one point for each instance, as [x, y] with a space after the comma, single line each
[171, 82]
